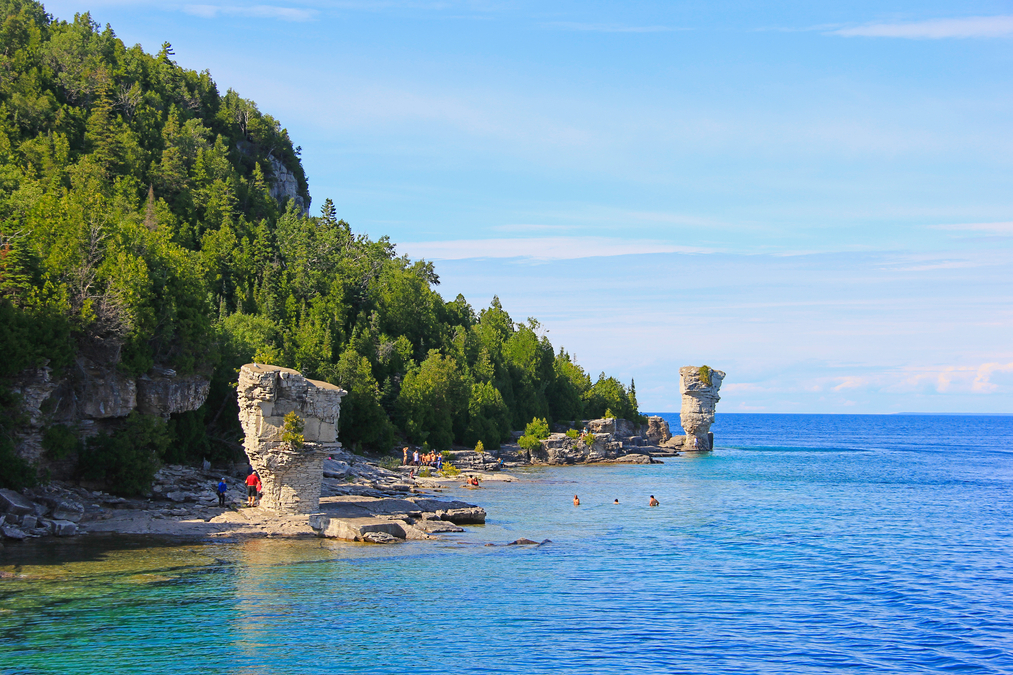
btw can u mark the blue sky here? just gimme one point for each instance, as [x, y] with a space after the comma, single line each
[815, 199]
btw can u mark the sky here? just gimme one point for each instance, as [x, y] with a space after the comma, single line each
[812, 197]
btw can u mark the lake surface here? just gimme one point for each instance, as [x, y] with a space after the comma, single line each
[804, 543]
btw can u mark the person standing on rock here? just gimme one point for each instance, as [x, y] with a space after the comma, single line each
[404, 462]
[222, 488]
[415, 458]
[260, 488]
[654, 502]
[251, 488]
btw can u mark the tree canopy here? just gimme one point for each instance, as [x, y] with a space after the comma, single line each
[137, 218]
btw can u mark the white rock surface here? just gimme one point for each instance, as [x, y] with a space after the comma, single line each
[292, 477]
[699, 400]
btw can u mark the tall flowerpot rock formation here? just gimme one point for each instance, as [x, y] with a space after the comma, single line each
[291, 473]
[699, 387]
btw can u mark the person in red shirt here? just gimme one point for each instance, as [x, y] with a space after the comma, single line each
[251, 488]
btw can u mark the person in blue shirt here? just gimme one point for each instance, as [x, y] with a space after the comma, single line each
[222, 487]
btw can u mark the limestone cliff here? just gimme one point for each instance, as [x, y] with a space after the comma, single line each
[699, 388]
[284, 185]
[292, 475]
[93, 395]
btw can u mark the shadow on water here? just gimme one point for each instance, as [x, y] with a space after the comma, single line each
[88, 548]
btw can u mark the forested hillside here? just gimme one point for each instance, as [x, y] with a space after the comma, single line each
[136, 219]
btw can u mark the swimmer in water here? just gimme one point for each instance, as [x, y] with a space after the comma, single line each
[654, 502]
[576, 501]
[616, 501]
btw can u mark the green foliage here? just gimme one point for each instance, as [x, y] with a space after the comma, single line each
[125, 461]
[609, 398]
[291, 431]
[609, 414]
[425, 472]
[539, 428]
[15, 472]
[389, 462]
[589, 439]
[572, 433]
[135, 214]
[446, 455]
[59, 441]
[190, 443]
[705, 375]
[488, 416]
[449, 470]
[363, 418]
[479, 447]
[529, 442]
[536, 430]
[433, 400]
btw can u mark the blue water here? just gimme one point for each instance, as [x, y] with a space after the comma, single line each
[811, 543]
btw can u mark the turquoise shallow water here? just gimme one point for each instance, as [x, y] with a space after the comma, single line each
[803, 544]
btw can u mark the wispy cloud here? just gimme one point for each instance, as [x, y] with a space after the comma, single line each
[256, 11]
[1005, 228]
[532, 227]
[936, 29]
[539, 248]
[606, 27]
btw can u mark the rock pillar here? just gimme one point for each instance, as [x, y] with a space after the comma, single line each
[699, 387]
[292, 476]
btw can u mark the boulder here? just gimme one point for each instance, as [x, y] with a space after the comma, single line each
[29, 522]
[14, 503]
[658, 430]
[466, 516]
[634, 458]
[11, 532]
[353, 529]
[64, 528]
[380, 538]
[437, 526]
[523, 542]
[63, 509]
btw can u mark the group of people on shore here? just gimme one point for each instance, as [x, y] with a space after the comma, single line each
[652, 502]
[430, 459]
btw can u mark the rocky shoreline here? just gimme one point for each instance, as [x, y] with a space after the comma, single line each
[183, 503]
[360, 500]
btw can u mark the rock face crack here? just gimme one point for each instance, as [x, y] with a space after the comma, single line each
[292, 476]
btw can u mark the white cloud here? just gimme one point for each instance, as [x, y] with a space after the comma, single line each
[257, 11]
[539, 248]
[936, 29]
[982, 380]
